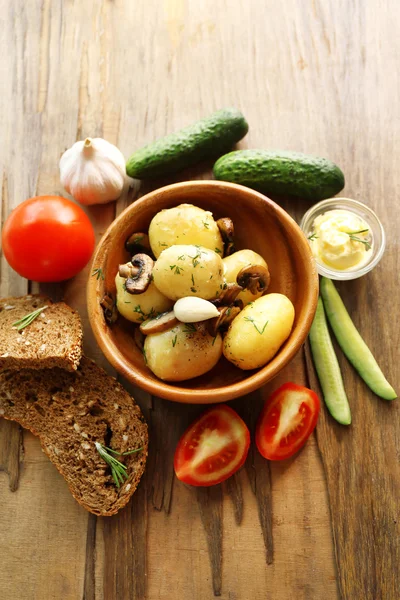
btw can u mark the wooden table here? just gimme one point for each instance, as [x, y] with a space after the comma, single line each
[315, 76]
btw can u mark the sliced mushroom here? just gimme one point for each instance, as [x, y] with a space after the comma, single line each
[109, 307]
[226, 228]
[226, 316]
[255, 278]
[137, 273]
[138, 243]
[161, 323]
[228, 295]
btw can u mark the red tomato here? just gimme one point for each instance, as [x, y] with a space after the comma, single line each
[48, 238]
[287, 420]
[213, 448]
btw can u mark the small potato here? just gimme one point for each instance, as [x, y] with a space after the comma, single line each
[234, 263]
[183, 271]
[184, 224]
[183, 352]
[258, 332]
[139, 307]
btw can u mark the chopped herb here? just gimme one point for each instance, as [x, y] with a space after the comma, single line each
[312, 237]
[193, 280]
[189, 328]
[163, 244]
[193, 289]
[213, 342]
[28, 319]
[255, 326]
[177, 270]
[118, 469]
[127, 302]
[211, 276]
[174, 340]
[195, 260]
[218, 251]
[206, 225]
[228, 312]
[181, 257]
[144, 356]
[98, 273]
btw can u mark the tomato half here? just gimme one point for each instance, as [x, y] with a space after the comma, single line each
[287, 420]
[48, 238]
[213, 448]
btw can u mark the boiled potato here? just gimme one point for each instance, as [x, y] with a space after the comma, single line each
[139, 307]
[258, 331]
[235, 263]
[183, 271]
[184, 224]
[183, 352]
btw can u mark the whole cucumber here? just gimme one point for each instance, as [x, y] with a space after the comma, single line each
[352, 344]
[207, 138]
[282, 173]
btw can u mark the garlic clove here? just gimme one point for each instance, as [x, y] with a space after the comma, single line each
[93, 171]
[192, 309]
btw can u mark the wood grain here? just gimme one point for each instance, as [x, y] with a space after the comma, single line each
[314, 76]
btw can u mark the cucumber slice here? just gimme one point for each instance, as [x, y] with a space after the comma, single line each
[328, 369]
[352, 344]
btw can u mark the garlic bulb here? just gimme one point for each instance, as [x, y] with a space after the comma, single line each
[93, 171]
[192, 309]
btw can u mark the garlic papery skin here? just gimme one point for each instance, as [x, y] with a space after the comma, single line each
[192, 309]
[93, 171]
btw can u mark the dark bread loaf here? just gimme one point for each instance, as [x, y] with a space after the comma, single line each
[70, 412]
[53, 339]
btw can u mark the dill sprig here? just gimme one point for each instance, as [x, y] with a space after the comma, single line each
[118, 469]
[28, 319]
[98, 273]
[312, 237]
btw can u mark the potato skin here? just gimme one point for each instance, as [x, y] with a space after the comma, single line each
[258, 332]
[234, 263]
[139, 307]
[184, 224]
[189, 270]
[181, 353]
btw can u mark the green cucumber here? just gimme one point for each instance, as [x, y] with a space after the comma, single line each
[352, 344]
[281, 172]
[205, 139]
[328, 369]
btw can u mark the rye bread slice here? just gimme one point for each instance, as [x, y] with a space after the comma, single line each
[53, 339]
[70, 412]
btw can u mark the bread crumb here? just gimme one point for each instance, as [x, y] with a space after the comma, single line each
[5, 355]
[116, 406]
[122, 423]
[19, 340]
[117, 389]
[42, 347]
[71, 389]
[1, 411]
[8, 307]
[76, 427]
[85, 445]
[84, 435]
[81, 456]
[27, 343]
[125, 438]
[128, 487]
[57, 451]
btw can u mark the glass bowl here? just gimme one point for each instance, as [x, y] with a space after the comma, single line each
[363, 211]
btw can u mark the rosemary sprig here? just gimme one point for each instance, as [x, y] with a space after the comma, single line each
[260, 331]
[353, 236]
[98, 273]
[28, 319]
[118, 469]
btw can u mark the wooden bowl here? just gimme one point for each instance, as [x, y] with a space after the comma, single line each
[261, 225]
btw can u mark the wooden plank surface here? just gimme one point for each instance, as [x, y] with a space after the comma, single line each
[319, 76]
